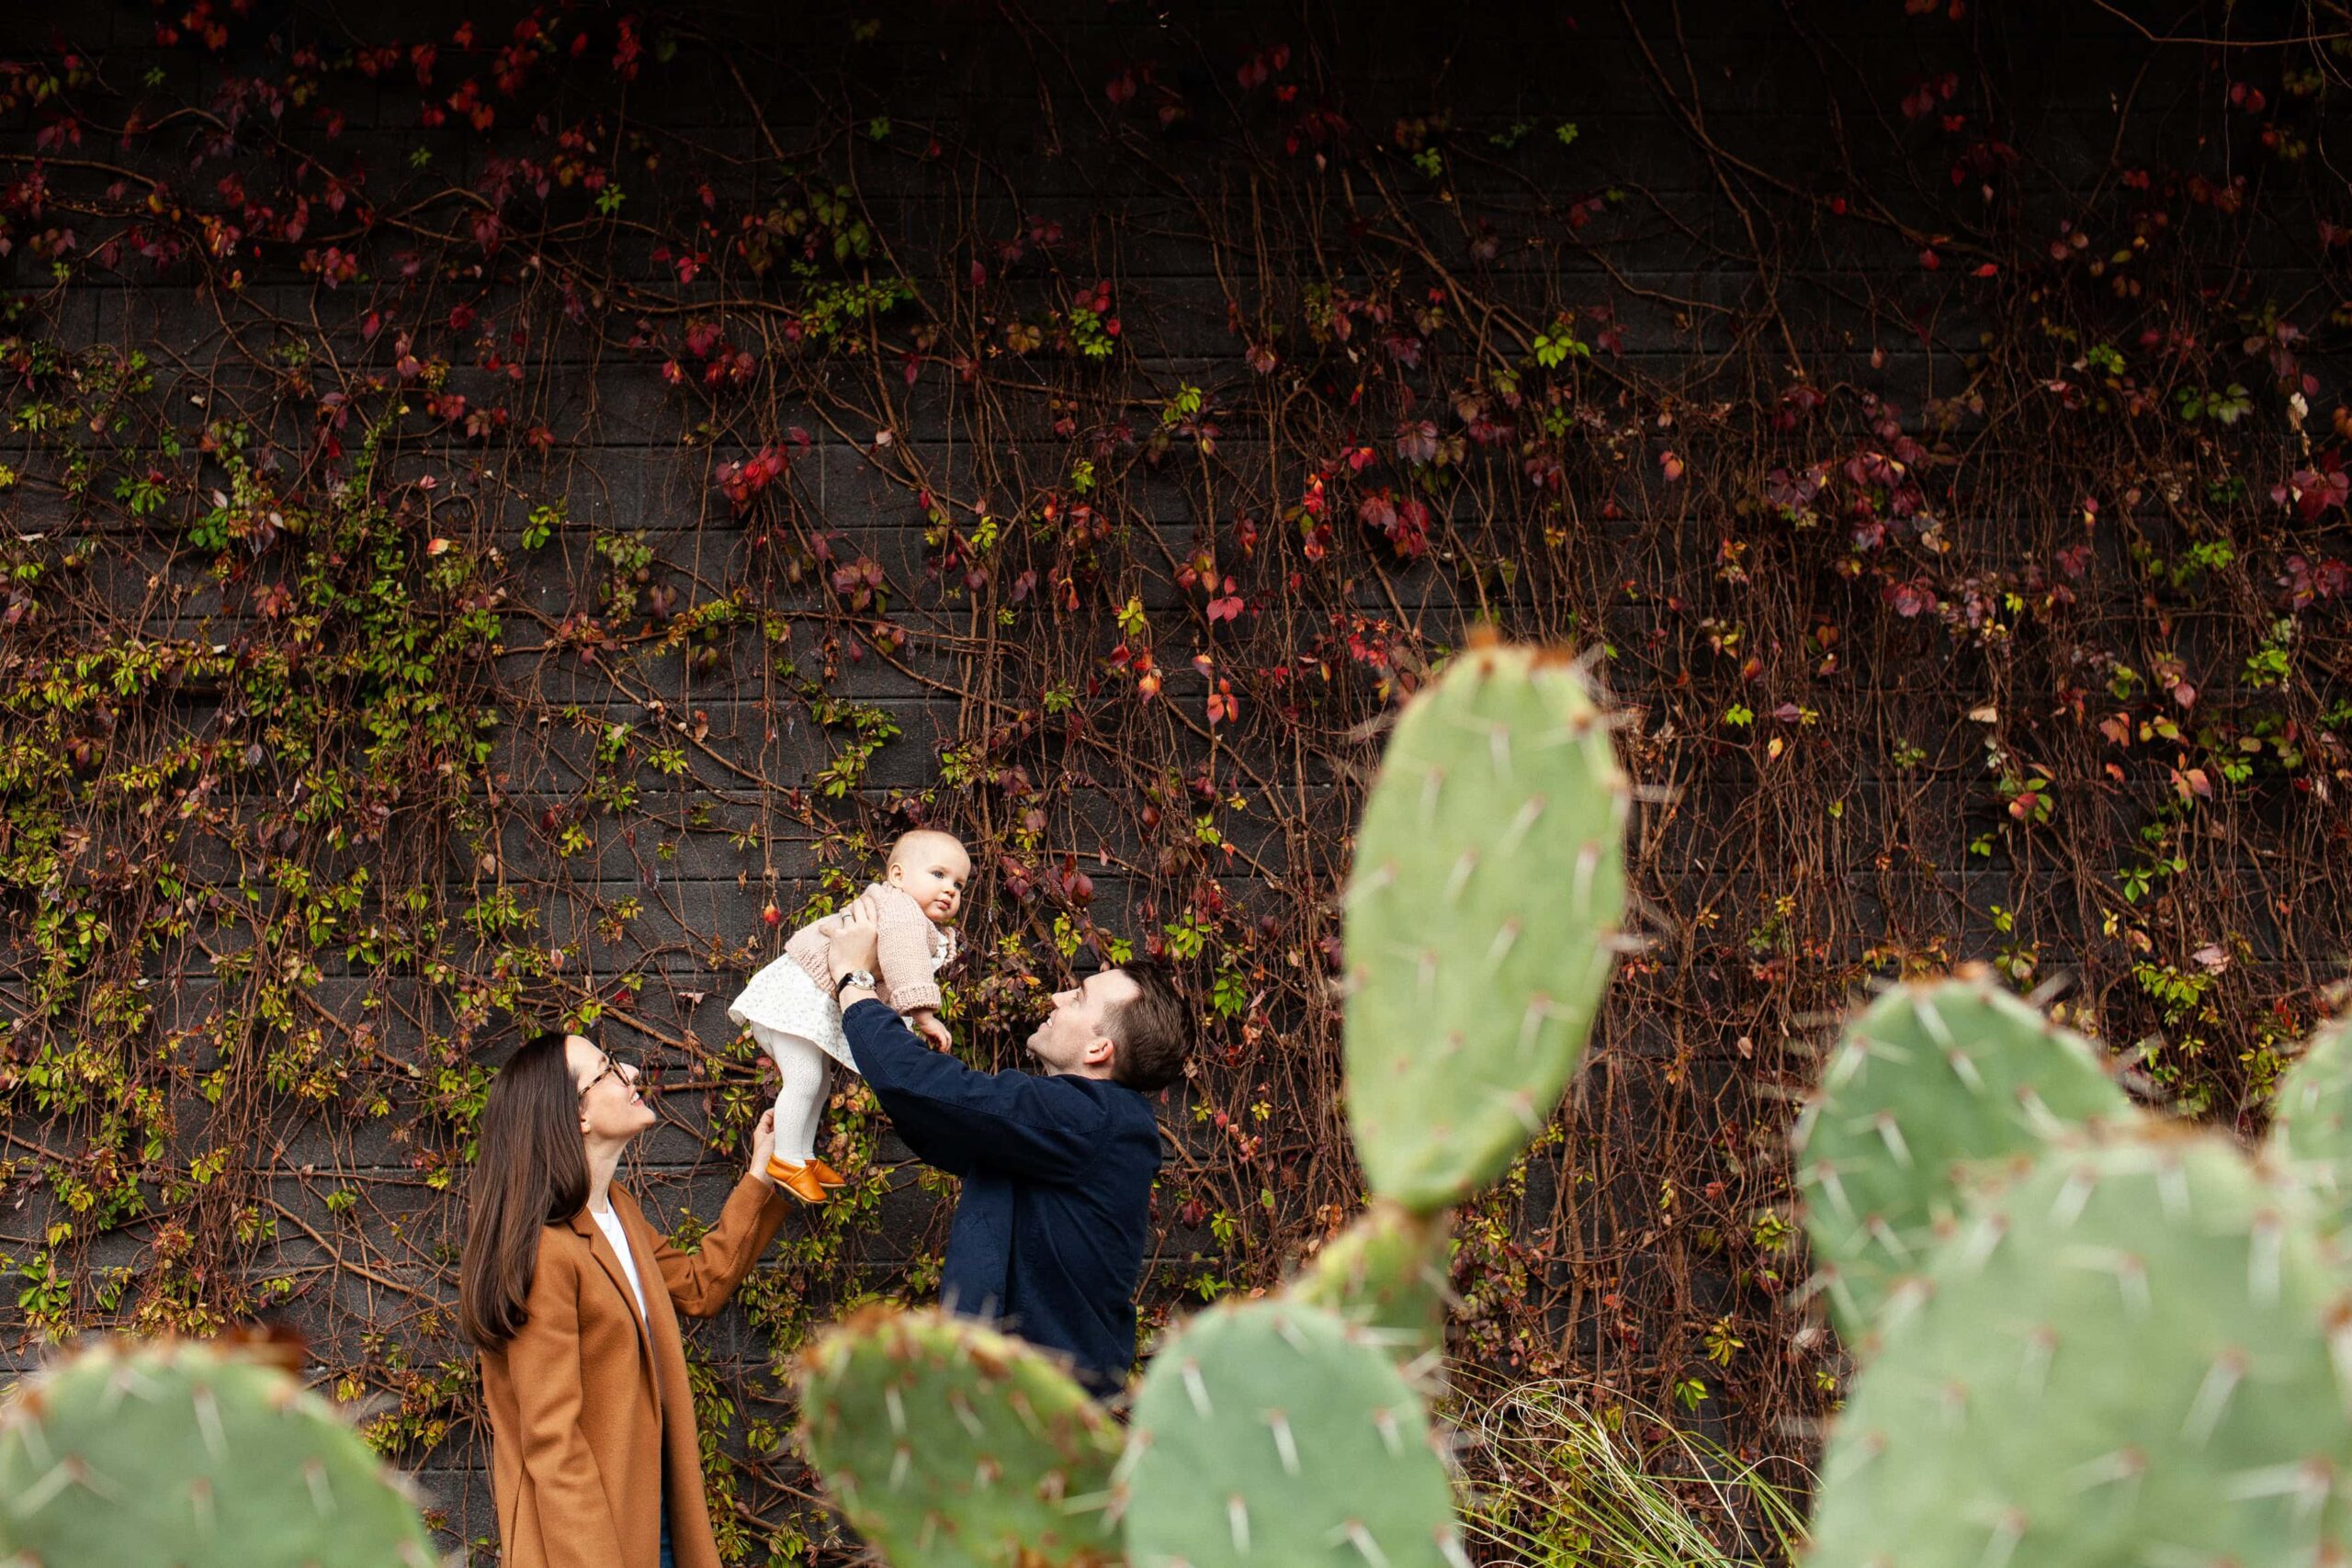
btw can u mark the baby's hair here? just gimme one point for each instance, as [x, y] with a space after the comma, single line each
[914, 840]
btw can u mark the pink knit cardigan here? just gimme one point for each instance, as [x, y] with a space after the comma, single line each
[909, 951]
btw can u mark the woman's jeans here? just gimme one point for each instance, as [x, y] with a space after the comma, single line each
[667, 1561]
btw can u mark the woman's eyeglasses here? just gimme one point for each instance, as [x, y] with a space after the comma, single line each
[647, 1072]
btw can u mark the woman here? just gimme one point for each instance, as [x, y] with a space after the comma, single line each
[573, 1300]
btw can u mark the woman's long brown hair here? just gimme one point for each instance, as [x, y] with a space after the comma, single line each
[531, 1171]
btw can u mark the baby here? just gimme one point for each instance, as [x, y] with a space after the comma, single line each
[790, 1008]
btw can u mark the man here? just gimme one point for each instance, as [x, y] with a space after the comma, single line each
[1049, 1232]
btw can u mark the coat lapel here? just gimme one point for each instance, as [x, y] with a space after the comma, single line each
[586, 1224]
[657, 1290]
[640, 1231]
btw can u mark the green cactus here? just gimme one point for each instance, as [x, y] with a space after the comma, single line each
[2122, 1358]
[1937, 1085]
[946, 1444]
[1481, 924]
[2312, 1124]
[1386, 1271]
[1270, 1433]
[176, 1454]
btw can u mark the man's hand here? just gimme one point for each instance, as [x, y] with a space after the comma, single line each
[852, 943]
[927, 1025]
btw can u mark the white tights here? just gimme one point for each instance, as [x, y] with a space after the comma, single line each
[800, 1104]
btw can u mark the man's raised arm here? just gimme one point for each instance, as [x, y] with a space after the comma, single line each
[953, 1117]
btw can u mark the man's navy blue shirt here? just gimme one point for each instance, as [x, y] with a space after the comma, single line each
[1049, 1233]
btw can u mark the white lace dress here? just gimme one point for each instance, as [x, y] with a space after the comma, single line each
[782, 999]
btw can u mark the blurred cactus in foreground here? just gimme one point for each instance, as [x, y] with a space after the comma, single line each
[180, 1454]
[2311, 1130]
[1386, 1271]
[1482, 920]
[1270, 1431]
[948, 1443]
[2129, 1355]
[1937, 1086]
[2094, 1336]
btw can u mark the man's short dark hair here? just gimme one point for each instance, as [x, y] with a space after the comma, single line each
[1151, 1032]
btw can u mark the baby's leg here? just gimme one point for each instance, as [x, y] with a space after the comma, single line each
[805, 1137]
[800, 1104]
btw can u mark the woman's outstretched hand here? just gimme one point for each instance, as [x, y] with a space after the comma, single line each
[764, 1145]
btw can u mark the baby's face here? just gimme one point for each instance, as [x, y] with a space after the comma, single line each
[934, 874]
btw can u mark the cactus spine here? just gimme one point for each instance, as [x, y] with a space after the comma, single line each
[174, 1454]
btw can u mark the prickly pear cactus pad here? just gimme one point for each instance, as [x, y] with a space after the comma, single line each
[1936, 1085]
[1489, 882]
[1386, 1271]
[2312, 1125]
[946, 1443]
[176, 1455]
[2134, 1356]
[1270, 1433]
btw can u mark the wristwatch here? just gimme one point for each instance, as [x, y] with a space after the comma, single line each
[861, 978]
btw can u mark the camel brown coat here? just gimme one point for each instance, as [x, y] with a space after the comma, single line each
[590, 1411]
